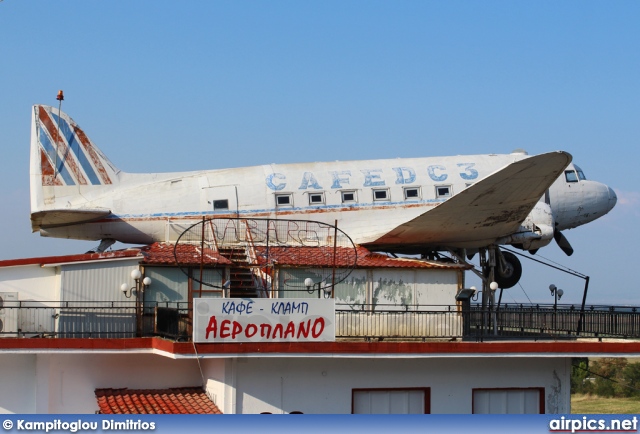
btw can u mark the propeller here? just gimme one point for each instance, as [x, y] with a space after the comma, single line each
[563, 243]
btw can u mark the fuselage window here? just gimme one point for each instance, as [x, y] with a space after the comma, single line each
[284, 200]
[316, 198]
[443, 191]
[381, 194]
[220, 204]
[412, 192]
[348, 196]
[581, 176]
[570, 176]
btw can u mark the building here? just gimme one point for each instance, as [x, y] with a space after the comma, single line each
[79, 332]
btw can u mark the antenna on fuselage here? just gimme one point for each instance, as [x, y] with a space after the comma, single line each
[60, 98]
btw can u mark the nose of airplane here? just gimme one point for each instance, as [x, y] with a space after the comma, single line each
[613, 199]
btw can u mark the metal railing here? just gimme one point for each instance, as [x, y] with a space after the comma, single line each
[373, 322]
[567, 321]
[95, 319]
[534, 322]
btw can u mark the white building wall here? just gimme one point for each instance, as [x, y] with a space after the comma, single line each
[403, 288]
[31, 282]
[17, 383]
[65, 383]
[219, 381]
[37, 288]
[98, 281]
[317, 385]
[437, 287]
[389, 288]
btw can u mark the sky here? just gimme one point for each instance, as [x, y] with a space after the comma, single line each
[174, 86]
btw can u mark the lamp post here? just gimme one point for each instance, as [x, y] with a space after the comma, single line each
[135, 275]
[313, 287]
[493, 286]
[138, 289]
[557, 295]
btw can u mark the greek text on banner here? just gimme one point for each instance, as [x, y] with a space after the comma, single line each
[263, 320]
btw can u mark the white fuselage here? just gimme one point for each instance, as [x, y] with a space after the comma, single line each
[366, 198]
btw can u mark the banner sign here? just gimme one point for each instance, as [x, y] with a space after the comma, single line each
[263, 320]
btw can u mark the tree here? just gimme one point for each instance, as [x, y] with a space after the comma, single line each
[580, 376]
[609, 378]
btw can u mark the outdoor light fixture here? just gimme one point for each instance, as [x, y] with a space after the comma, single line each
[557, 293]
[135, 275]
[313, 287]
[493, 286]
[474, 297]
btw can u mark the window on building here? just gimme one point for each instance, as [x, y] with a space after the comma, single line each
[508, 401]
[316, 198]
[348, 196]
[391, 401]
[221, 204]
[443, 191]
[412, 193]
[283, 200]
[380, 194]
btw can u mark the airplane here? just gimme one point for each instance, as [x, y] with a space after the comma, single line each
[458, 204]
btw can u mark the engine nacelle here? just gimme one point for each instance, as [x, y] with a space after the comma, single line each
[535, 231]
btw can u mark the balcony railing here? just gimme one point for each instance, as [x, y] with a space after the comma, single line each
[95, 319]
[372, 322]
[475, 323]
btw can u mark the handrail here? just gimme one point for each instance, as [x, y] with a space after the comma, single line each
[30, 318]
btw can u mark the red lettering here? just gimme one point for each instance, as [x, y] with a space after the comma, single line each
[279, 328]
[319, 322]
[304, 331]
[212, 327]
[291, 330]
[237, 328]
[264, 327]
[224, 329]
[251, 330]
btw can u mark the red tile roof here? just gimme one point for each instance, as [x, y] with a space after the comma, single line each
[184, 400]
[323, 257]
[82, 257]
[188, 254]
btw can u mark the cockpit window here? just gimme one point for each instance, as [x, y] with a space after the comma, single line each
[581, 176]
[570, 176]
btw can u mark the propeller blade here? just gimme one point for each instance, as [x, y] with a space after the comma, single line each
[563, 243]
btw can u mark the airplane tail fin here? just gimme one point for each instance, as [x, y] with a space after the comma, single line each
[65, 163]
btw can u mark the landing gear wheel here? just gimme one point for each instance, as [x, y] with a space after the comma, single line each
[509, 272]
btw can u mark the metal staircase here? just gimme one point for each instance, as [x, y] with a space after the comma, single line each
[242, 282]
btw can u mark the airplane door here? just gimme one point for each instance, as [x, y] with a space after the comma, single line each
[221, 200]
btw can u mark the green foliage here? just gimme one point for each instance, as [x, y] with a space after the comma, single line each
[580, 382]
[631, 374]
[606, 377]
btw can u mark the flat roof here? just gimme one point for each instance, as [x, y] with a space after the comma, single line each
[339, 349]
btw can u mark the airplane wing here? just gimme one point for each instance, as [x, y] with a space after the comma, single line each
[63, 217]
[491, 208]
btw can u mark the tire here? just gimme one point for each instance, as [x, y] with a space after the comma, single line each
[511, 276]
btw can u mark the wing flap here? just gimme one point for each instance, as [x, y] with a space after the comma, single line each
[63, 217]
[491, 208]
